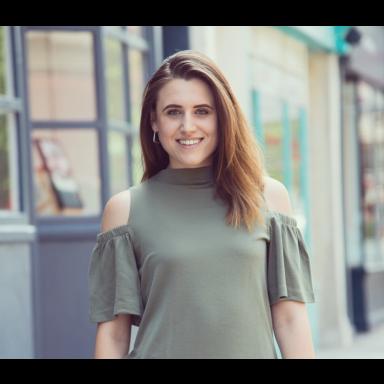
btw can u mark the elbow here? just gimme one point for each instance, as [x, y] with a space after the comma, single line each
[287, 312]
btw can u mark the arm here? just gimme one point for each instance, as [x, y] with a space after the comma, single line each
[113, 337]
[292, 329]
[290, 319]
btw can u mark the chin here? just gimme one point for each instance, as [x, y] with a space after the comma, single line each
[189, 164]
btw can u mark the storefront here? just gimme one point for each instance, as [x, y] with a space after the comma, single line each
[296, 116]
[69, 121]
[284, 106]
[363, 117]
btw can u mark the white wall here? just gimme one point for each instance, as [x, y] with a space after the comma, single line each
[326, 197]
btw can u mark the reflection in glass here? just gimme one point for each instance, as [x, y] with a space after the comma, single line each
[118, 161]
[5, 177]
[114, 79]
[135, 29]
[61, 75]
[136, 82]
[3, 68]
[66, 176]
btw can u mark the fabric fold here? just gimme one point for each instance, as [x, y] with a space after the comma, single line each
[114, 282]
[288, 267]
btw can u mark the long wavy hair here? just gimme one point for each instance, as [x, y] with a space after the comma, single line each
[238, 162]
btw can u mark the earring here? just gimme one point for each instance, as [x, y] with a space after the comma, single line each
[154, 135]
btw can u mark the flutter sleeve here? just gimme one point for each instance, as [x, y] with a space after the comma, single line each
[114, 283]
[288, 268]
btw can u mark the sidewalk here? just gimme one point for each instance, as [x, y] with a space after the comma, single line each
[369, 345]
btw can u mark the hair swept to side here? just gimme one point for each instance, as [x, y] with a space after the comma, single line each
[238, 162]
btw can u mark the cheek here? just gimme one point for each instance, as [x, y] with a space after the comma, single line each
[168, 128]
[212, 129]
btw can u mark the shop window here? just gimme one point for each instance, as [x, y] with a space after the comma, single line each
[371, 122]
[8, 175]
[61, 75]
[114, 79]
[271, 115]
[9, 189]
[118, 161]
[124, 106]
[3, 63]
[66, 177]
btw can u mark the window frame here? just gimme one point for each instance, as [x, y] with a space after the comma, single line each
[11, 104]
[62, 227]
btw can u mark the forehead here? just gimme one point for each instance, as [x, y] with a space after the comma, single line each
[185, 92]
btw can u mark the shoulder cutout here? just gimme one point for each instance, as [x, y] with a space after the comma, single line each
[276, 196]
[116, 211]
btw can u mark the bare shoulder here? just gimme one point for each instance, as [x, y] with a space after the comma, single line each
[277, 196]
[116, 211]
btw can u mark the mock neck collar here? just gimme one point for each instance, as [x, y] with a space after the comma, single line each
[199, 177]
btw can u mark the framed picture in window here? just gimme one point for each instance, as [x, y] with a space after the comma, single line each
[58, 168]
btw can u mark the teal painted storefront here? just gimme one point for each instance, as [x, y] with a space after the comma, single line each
[329, 39]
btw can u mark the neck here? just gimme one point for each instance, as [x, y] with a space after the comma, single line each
[201, 176]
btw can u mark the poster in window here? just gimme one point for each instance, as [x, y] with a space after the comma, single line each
[58, 167]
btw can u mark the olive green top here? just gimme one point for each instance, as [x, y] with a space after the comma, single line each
[196, 287]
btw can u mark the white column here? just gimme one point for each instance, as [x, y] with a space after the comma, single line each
[325, 179]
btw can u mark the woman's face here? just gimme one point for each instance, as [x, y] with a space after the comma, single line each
[185, 110]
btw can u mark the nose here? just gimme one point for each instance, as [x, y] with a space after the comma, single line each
[187, 124]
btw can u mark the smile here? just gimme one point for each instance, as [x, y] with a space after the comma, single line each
[191, 143]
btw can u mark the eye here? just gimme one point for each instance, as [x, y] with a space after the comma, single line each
[173, 112]
[202, 111]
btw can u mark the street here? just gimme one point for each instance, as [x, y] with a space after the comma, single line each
[369, 345]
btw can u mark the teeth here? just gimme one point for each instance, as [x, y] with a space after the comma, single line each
[189, 142]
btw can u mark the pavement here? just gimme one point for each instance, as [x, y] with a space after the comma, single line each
[367, 345]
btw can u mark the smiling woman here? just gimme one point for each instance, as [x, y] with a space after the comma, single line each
[194, 255]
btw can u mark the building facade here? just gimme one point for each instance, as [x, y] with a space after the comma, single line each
[69, 121]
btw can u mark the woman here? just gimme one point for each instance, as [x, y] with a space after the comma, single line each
[203, 254]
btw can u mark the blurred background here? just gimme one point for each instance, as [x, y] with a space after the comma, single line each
[70, 99]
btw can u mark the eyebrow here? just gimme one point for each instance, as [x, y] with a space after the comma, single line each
[179, 106]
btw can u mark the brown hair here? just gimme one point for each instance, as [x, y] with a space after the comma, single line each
[238, 162]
